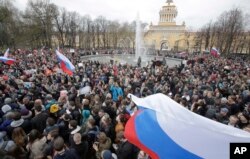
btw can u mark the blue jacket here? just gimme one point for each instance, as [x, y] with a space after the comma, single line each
[116, 92]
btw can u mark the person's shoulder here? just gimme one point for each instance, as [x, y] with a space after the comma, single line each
[11, 143]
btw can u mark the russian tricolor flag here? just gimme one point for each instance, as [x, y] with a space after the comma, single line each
[214, 52]
[6, 60]
[166, 130]
[65, 64]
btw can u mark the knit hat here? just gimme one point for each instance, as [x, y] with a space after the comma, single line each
[25, 113]
[85, 114]
[224, 110]
[7, 100]
[224, 100]
[6, 108]
[106, 154]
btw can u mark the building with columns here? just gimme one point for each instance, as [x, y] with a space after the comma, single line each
[167, 35]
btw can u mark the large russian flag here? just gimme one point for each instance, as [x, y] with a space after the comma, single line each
[166, 130]
[214, 52]
[66, 65]
[6, 60]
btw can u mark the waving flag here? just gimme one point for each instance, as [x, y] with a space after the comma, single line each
[6, 54]
[214, 52]
[166, 130]
[6, 60]
[66, 65]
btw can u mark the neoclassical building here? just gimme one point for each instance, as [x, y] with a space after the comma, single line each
[167, 35]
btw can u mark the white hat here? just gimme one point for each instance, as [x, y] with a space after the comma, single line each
[6, 108]
[224, 100]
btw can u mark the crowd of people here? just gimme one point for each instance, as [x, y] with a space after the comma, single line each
[48, 114]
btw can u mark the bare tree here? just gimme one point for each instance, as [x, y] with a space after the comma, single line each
[60, 24]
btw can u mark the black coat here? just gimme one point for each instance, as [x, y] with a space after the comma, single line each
[81, 149]
[127, 151]
[39, 122]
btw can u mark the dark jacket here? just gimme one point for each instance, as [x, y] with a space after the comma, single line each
[39, 122]
[81, 149]
[64, 130]
[67, 154]
[127, 151]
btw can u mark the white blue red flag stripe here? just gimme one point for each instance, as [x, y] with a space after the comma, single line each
[166, 130]
[214, 52]
[6, 60]
[6, 54]
[65, 64]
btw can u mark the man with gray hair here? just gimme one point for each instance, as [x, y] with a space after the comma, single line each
[80, 147]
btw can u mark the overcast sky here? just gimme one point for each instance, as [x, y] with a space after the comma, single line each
[194, 12]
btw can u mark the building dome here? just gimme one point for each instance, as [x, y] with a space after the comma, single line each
[168, 13]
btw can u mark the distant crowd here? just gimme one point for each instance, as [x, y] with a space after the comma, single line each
[45, 113]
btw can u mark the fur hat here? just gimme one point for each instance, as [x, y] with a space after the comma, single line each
[6, 108]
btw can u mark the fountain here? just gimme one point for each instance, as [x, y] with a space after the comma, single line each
[138, 38]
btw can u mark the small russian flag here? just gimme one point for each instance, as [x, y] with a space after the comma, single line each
[6, 60]
[214, 52]
[65, 64]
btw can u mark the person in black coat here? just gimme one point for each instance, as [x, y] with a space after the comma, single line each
[61, 152]
[80, 147]
[39, 121]
[125, 149]
[63, 124]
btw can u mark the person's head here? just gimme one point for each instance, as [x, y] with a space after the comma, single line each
[26, 100]
[77, 138]
[7, 101]
[224, 111]
[72, 124]
[224, 100]
[18, 136]
[33, 135]
[50, 121]
[10, 115]
[49, 97]
[6, 108]
[38, 102]
[102, 137]
[247, 128]
[91, 123]
[58, 144]
[242, 118]
[120, 136]
[233, 119]
[85, 114]
[66, 117]
[121, 118]
[52, 134]
[101, 113]
[17, 116]
[105, 119]
[106, 154]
